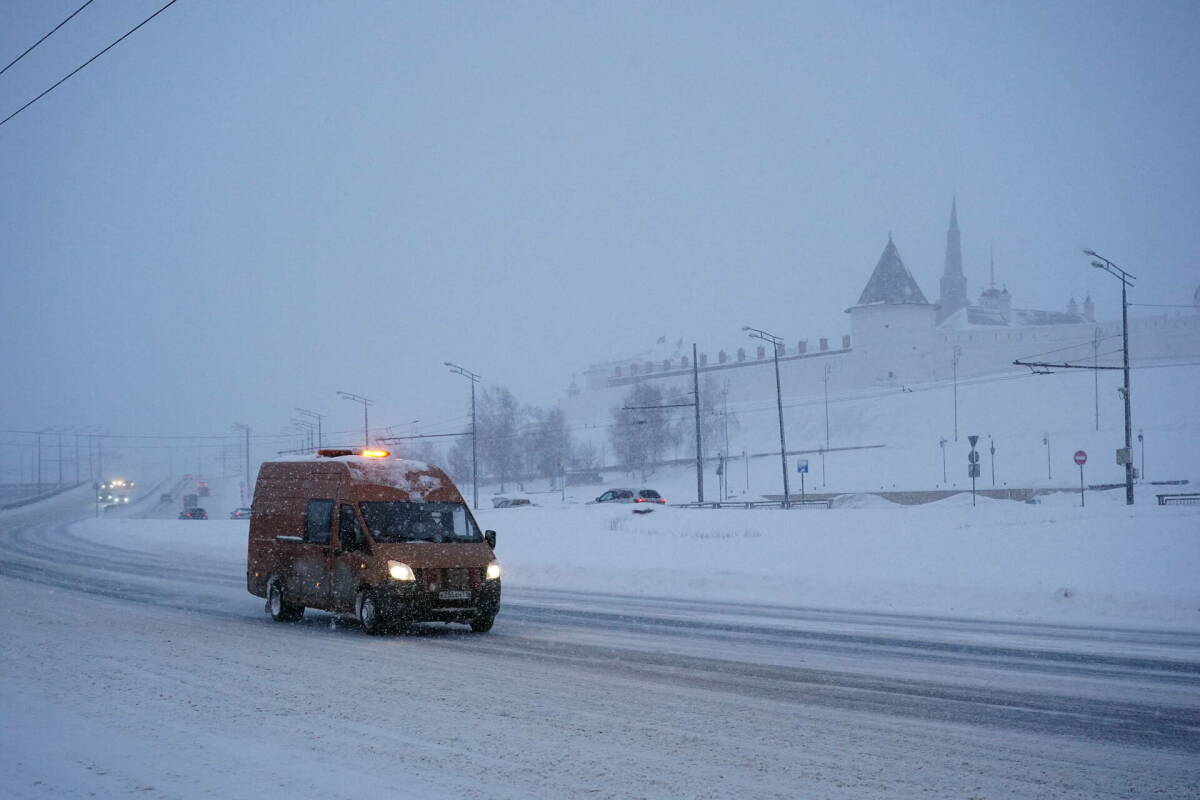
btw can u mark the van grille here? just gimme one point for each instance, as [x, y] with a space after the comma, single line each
[441, 579]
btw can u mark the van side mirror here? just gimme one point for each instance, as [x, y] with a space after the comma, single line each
[490, 538]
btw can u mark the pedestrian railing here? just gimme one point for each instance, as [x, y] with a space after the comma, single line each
[745, 504]
[1180, 499]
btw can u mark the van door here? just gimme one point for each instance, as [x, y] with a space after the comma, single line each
[351, 558]
[312, 563]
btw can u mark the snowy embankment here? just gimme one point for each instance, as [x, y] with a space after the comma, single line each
[1106, 564]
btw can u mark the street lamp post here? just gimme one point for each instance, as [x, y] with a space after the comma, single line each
[318, 418]
[826, 410]
[1142, 452]
[942, 443]
[365, 402]
[992, 448]
[474, 379]
[247, 492]
[1046, 441]
[1126, 280]
[776, 343]
[954, 364]
[307, 428]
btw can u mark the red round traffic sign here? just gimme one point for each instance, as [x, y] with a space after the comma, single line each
[1080, 457]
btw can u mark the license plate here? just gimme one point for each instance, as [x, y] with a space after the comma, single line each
[454, 595]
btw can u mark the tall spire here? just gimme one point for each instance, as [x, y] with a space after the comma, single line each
[953, 284]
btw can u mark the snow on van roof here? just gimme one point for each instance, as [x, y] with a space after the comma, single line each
[416, 478]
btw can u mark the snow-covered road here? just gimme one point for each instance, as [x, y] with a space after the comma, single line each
[129, 669]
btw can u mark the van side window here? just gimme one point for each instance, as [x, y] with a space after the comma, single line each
[319, 521]
[349, 530]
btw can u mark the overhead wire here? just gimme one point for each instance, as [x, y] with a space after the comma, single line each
[66, 77]
[47, 36]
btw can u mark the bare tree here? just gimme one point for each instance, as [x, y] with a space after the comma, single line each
[499, 419]
[641, 432]
[547, 443]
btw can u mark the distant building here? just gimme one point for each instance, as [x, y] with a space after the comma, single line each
[897, 338]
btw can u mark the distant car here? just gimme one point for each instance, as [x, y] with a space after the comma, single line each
[510, 502]
[240, 513]
[631, 496]
[193, 513]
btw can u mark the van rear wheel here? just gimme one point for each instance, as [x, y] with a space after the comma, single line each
[483, 624]
[279, 608]
[368, 612]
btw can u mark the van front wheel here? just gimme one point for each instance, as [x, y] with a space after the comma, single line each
[368, 612]
[279, 608]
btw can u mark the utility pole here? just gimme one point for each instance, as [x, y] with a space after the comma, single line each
[776, 343]
[1124, 456]
[474, 379]
[1046, 441]
[1096, 372]
[39, 463]
[76, 457]
[695, 404]
[60, 475]
[942, 443]
[699, 450]
[365, 402]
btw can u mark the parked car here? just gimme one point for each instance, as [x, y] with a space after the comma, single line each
[631, 496]
[193, 513]
[240, 513]
[510, 502]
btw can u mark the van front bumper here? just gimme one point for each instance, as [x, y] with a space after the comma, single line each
[408, 602]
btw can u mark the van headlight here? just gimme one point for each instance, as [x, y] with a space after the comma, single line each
[399, 571]
[493, 571]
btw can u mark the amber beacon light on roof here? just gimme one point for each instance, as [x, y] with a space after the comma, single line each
[364, 453]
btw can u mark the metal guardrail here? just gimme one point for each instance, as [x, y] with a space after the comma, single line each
[1180, 499]
[745, 504]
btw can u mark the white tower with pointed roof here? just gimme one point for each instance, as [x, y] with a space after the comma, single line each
[892, 324]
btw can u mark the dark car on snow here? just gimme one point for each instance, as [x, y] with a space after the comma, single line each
[193, 513]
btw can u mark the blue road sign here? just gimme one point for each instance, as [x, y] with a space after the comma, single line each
[802, 465]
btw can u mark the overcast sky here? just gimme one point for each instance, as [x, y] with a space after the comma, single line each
[247, 206]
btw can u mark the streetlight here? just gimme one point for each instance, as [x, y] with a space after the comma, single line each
[247, 492]
[1126, 279]
[1046, 441]
[942, 444]
[365, 402]
[305, 427]
[1142, 451]
[776, 343]
[992, 448]
[954, 364]
[827, 370]
[474, 379]
[318, 418]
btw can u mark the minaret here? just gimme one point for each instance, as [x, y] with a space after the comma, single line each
[954, 283]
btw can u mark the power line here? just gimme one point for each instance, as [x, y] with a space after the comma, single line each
[47, 36]
[89, 61]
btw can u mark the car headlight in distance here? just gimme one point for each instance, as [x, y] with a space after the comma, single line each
[399, 571]
[493, 571]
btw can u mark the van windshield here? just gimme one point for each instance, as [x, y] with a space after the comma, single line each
[402, 521]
